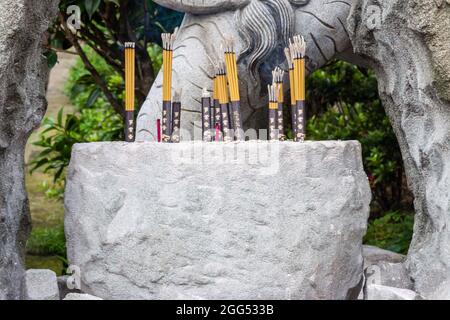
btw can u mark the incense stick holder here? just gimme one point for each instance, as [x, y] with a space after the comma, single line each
[176, 122]
[280, 122]
[273, 131]
[294, 121]
[206, 119]
[226, 123]
[300, 121]
[217, 116]
[129, 126]
[237, 120]
[166, 121]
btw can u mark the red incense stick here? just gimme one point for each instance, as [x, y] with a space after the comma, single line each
[217, 131]
[158, 129]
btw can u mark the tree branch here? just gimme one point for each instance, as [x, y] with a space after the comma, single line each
[97, 77]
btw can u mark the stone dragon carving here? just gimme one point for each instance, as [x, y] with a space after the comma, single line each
[261, 29]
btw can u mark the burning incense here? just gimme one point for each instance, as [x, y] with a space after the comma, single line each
[176, 117]
[233, 82]
[273, 112]
[298, 50]
[223, 101]
[129, 90]
[278, 75]
[168, 42]
[206, 115]
[290, 62]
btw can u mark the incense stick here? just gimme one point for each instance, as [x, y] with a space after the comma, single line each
[233, 82]
[278, 76]
[298, 50]
[273, 111]
[158, 130]
[206, 115]
[215, 105]
[129, 91]
[168, 45]
[290, 62]
[223, 101]
[176, 117]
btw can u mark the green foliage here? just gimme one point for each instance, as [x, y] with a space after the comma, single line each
[105, 27]
[94, 121]
[52, 58]
[84, 92]
[89, 125]
[82, 89]
[47, 242]
[347, 107]
[392, 232]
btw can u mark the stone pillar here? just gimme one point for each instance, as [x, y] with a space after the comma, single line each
[407, 43]
[23, 80]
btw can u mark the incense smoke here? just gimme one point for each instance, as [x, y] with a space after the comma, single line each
[264, 25]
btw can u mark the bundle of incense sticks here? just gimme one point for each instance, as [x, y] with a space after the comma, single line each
[168, 42]
[129, 91]
[298, 50]
[233, 82]
[273, 112]
[206, 115]
[223, 102]
[176, 117]
[278, 75]
[290, 62]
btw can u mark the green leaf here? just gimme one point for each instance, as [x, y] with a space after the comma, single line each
[60, 115]
[91, 7]
[93, 97]
[52, 58]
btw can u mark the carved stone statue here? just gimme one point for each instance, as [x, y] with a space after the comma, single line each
[261, 29]
[407, 43]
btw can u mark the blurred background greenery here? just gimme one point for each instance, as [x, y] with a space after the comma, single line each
[342, 99]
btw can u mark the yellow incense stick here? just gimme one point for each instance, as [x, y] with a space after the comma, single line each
[168, 46]
[215, 93]
[287, 53]
[221, 83]
[129, 76]
[297, 48]
[302, 75]
[278, 75]
[273, 94]
[231, 67]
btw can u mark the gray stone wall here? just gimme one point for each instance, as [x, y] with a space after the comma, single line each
[23, 79]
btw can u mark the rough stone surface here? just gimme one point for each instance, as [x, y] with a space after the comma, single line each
[388, 274]
[409, 49]
[322, 22]
[23, 79]
[380, 292]
[41, 284]
[373, 255]
[81, 296]
[191, 221]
